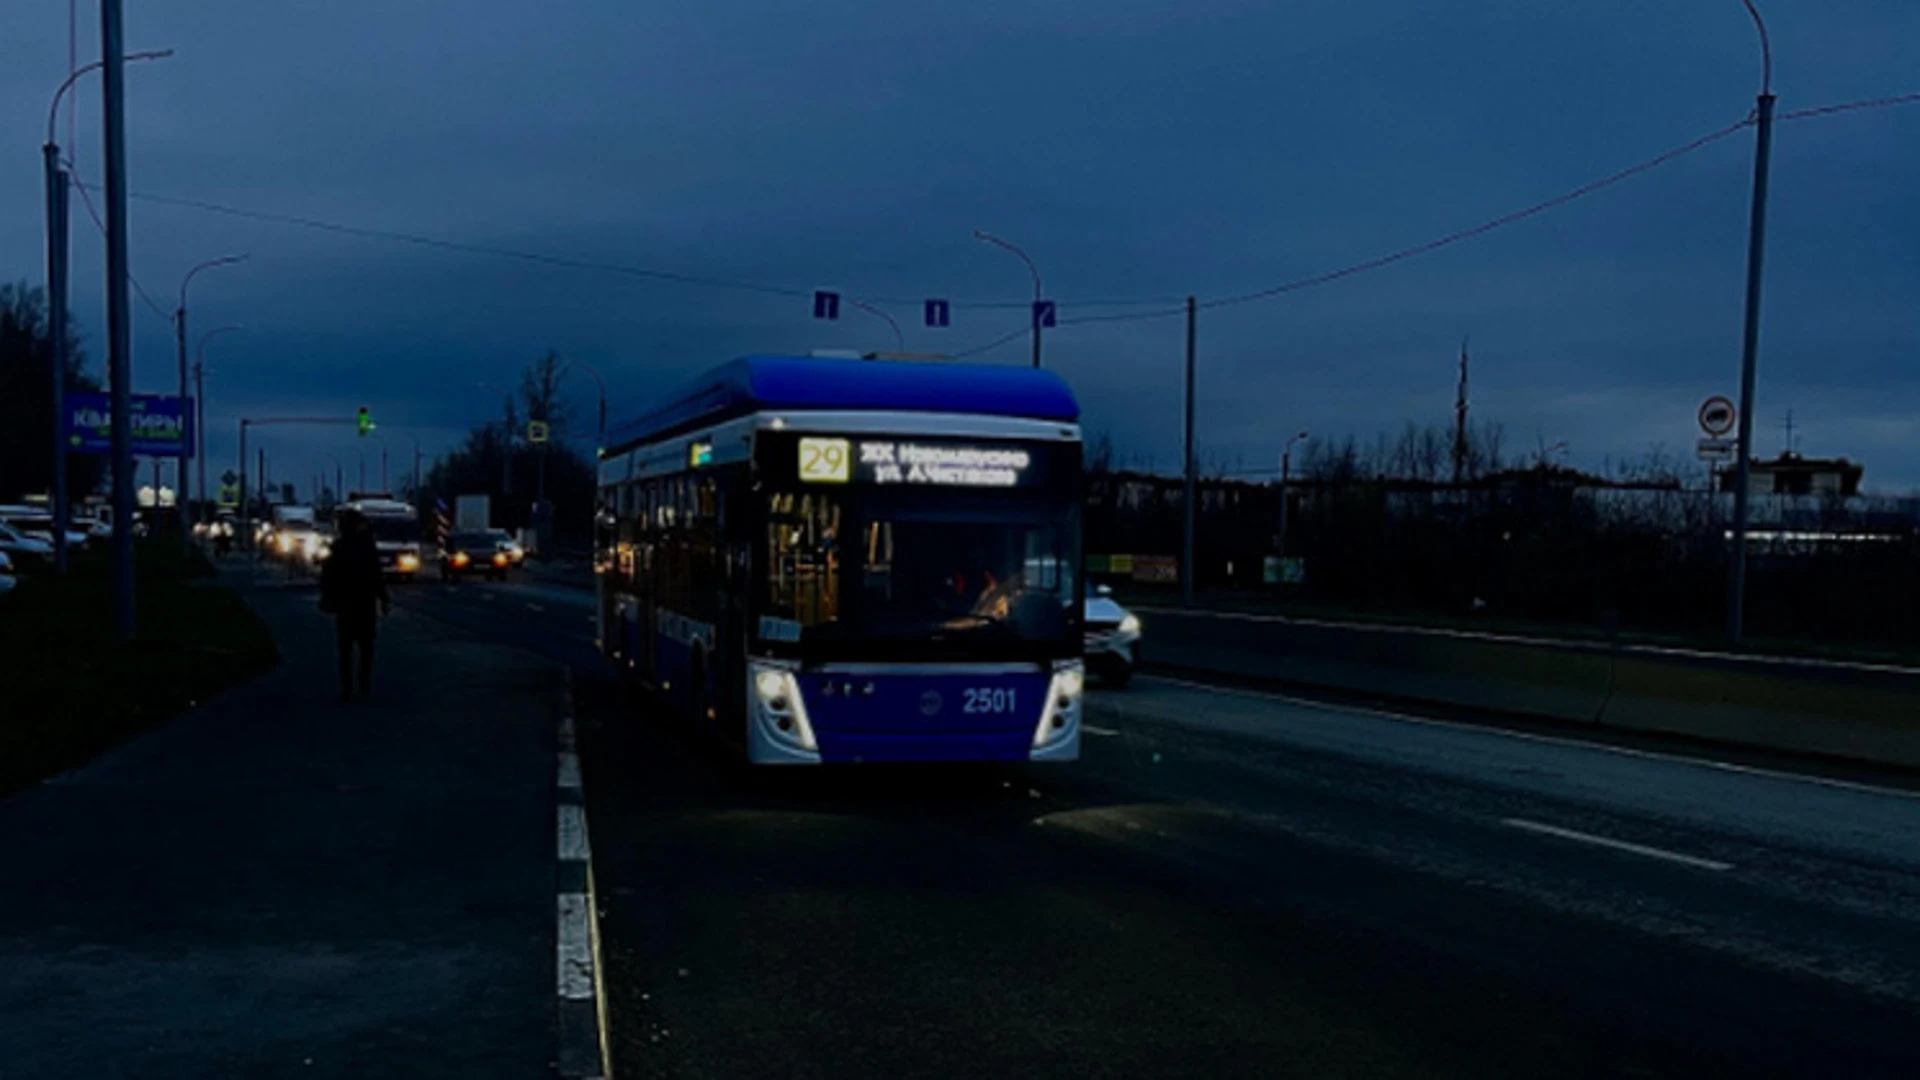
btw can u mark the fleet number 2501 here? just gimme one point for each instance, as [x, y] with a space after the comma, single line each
[988, 699]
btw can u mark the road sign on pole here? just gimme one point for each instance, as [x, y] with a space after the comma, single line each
[1717, 416]
[1716, 449]
[1045, 313]
[536, 431]
[826, 305]
[939, 313]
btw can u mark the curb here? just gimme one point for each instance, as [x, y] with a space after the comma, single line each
[582, 1001]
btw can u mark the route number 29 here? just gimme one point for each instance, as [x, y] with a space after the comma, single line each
[988, 699]
[825, 461]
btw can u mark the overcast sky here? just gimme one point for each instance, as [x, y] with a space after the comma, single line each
[1134, 148]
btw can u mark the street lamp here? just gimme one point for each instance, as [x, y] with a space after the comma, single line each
[56, 193]
[339, 477]
[1286, 466]
[1750, 335]
[200, 407]
[981, 234]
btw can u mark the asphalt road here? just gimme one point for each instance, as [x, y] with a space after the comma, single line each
[1234, 884]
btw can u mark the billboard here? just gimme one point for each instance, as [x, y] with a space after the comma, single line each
[162, 424]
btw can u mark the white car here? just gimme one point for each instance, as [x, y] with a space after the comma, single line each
[24, 551]
[1112, 638]
[36, 523]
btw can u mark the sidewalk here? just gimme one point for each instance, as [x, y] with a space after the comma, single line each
[277, 884]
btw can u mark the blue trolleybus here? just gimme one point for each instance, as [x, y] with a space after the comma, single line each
[836, 560]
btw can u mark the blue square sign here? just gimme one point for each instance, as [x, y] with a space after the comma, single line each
[1044, 313]
[826, 305]
[939, 313]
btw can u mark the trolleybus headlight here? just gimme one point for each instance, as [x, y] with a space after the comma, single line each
[777, 707]
[1061, 716]
[1130, 624]
[770, 684]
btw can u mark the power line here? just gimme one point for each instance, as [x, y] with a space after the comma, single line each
[1163, 311]
[87, 201]
[676, 277]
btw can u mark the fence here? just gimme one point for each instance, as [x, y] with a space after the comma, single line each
[1542, 544]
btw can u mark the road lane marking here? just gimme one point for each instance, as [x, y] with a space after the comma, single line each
[1559, 643]
[573, 833]
[1091, 730]
[579, 985]
[1527, 736]
[534, 607]
[1616, 845]
[576, 948]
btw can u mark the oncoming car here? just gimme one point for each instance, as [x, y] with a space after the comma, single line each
[473, 553]
[1112, 637]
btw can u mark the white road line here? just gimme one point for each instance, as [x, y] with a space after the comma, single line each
[566, 734]
[1551, 740]
[1562, 643]
[573, 833]
[576, 947]
[1616, 845]
[1091, 730]
[569, 777]
[534, 607]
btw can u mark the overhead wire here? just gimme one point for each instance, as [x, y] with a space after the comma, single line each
[100, 223]
[1158, 303]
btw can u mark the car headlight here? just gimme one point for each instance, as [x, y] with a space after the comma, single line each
[459, 558]
[777, 707]
[1130, 624]
[285, 544]
[408, 561]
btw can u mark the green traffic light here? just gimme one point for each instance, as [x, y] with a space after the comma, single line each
[365, 421]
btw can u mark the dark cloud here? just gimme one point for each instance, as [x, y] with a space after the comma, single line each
[1134, 148]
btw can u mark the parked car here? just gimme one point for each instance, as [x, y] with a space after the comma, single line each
[1112, 638]
[25, 552]
[36, 522]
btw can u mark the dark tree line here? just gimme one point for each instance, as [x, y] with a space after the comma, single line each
[497, 460]
[26, 416]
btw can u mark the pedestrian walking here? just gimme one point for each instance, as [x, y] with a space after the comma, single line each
[354, 591]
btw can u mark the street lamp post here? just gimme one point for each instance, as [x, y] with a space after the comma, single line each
[339, 477]
[1286, 472]
[58, 193]
[180, 348]
[1750, 335]
[981, 234]
[200, 408]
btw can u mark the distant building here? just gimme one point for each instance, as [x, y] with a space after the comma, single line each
[1791, 474]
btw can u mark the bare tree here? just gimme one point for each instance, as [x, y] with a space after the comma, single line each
[540, 392]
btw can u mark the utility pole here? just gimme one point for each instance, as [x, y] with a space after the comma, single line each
[1750, 337]
[1460, 421]
[1187, 501]
[1286, 474]
[57, 196]
[180, 349]
[119, 338]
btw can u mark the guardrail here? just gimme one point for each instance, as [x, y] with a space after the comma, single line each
[1865, 712]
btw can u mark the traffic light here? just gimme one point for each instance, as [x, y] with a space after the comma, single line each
[364, 421]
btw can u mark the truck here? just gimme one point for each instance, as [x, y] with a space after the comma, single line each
[472, 513]
[396, 534]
